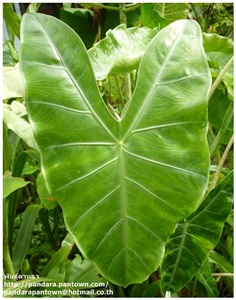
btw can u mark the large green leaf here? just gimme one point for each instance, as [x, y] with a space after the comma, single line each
[121, 51]
[123, 185]
[193, 239]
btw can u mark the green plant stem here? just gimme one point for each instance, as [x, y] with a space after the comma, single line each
[122, 14]
[127, 7]
[6, 254]
[220, 77]
[222, 274]
[225, 124]
[18, 139]
[223, 158]
[119, 91]
[207, 17]
[89, 5]
[128, 91]
[195, 13]
[214, 136]
[123, 20]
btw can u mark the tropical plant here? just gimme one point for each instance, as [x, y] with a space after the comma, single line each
[125, 152]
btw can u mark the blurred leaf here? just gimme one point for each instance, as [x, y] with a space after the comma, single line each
[10, 55]
[153, 290]
[81, 20]
[146, 290]
[33, 7]
[21, 127]
[209, 282]
[57, 273]
[11, 184]
[24, 236]
[17, 168]
[13, 86]
[7, 149]
[12, 19]
[225, 131]
[162, 14]
[43, 215]
[67, 5]
[121, 50]
[195, 237]
[111, 19]
[221, 262]
[220, 50]
[29, 169]
[217, 108]
[149, 17]
[139, 289]
[82, 271]
[172, 11]
[60, 257]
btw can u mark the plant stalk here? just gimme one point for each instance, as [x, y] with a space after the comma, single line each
[119, 91]
[6, 254]
[225, 123]
[220, 77]
[223, 158]
[123, 20]
[195, 13]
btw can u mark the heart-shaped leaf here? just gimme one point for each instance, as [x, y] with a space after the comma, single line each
[123, 185]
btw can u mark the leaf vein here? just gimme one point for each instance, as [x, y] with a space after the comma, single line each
[147, 190]
[89, 174]
[161, 163]
[94, 206]
[145, 227]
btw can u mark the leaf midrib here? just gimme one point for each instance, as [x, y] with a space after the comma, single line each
[151, 90]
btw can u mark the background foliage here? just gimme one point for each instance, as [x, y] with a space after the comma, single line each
[35, 236]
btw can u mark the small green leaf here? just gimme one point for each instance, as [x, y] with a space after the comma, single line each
[11, 184]
[121, 51]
